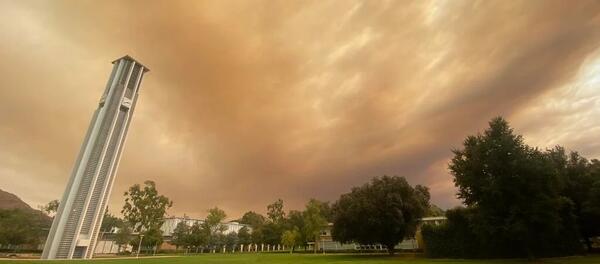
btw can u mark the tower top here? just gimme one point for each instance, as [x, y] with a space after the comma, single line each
[129, 58]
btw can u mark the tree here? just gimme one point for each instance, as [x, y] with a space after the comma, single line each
[153, 238]
[513, 191]
[110, 222]
[256, 221]
[314, 221]
[253, 219]
[213, 226]
[214, 219]
[384, 211]
[244, 236]
[123, 236]
[295, 221]
[198, 236]
[579, 178]
[275, 212]
[231, 240]
[18, 227]
[289, 238]
[145, 208]
[50, 208]
[181, 235]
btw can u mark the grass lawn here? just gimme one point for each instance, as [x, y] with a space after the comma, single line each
[303, 258]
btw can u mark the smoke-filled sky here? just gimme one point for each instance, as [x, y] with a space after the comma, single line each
[250, 101]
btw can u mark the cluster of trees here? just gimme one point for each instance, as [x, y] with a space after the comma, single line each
[296, 228]
[520, 201]
[20, 227]
[383, 211]
[206, 235]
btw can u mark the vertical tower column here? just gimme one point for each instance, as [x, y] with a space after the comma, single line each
[77, 222]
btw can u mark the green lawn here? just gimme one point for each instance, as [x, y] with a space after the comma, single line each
[304, 258]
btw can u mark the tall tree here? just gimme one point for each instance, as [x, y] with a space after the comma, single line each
[314, 220]
[512, 189]
[289, 238]
[579, 180]
[295, 221]
[181, 235]
[145, 208]
[198, 236]
[383, 211]
[275, 212]
[213, 224]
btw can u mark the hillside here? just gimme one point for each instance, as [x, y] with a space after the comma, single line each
[11, 201]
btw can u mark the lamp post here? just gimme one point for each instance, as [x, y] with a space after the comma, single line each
[139, 246]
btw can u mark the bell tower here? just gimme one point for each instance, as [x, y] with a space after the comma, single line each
[77, 222]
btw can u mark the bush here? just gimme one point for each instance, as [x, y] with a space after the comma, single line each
[454, 239]
[461, 238]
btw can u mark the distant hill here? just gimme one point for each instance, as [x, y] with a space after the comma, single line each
[11, 201]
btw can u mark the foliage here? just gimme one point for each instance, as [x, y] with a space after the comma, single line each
[50, 208]
[123, 236]
[145, 208]
[153, 237]
[181, 235]
[313, 220]
[253, 219]
[19, 227]
[289, 238]
[231, 240]
[110, 222]
[295, 221]
[211, 230]
[384, 211]
[198, 236]
[512, 193]
[580, 181]
[454, 239]
[244, 236]
[275, 212]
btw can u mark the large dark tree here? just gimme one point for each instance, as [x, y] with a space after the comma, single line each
[513, 191]
[383, 211]
[580, 183]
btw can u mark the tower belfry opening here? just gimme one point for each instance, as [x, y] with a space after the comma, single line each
[75, 228]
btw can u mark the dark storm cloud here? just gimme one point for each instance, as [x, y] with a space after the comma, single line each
[250, 101]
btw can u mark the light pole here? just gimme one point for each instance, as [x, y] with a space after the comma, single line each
[139, 246]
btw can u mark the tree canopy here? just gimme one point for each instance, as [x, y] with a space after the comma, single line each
[383, 211]
[145, 208]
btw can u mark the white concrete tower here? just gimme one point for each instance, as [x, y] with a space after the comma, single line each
[77, 222]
